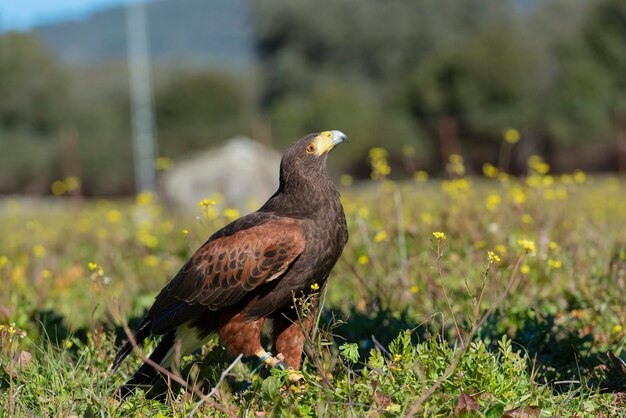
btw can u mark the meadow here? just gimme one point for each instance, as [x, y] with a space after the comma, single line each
[487, 295]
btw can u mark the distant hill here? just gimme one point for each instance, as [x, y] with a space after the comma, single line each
[182, 32]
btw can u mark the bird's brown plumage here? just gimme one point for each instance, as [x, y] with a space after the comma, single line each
[250, 269]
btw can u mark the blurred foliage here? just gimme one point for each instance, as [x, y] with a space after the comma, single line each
[32, 82]
[426, 78]
[31, 85]
[462, 71]
[198, 108]
[589, 98]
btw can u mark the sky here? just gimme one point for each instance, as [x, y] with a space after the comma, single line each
[24, 14]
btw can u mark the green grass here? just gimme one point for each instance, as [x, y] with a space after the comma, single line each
[401, 306]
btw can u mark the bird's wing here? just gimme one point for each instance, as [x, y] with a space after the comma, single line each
[225, 269]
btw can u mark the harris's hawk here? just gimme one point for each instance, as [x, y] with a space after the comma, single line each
[250, 270]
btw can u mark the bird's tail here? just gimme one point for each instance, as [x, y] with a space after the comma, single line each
[147, 376]
[141, 333]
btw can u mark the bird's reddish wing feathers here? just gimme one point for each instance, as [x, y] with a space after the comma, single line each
[223, 270]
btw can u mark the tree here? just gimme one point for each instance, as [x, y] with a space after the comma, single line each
[200, 108]
[467, 91]
[33, 86]
[588, 98]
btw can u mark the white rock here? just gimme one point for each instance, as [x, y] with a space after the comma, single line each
[244, 171]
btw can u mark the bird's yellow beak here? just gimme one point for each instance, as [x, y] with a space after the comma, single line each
[326, 141]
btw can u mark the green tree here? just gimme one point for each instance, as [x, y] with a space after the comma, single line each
[196, 109]
[467, 91]
[33, 106]
[33, 86]
[588, 98]
[368, 52]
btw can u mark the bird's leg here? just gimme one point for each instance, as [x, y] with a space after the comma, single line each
[267, 358]
[289, 341]
[277, 361]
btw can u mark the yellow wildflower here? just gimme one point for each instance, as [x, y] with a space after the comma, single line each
[617, 329]
[363, 259]
[518, 195]
[500, 249]
[147, 239]
[493, 258]
[420, 176]
[492, 202]
[4, 261]
[489, 170]
[504, 178]
[39, 251]
[185, 232]
[555, 264]
[553, 246]
[96, 269]
[315, 287]
[455, 165]
[363, 212]
[151, 260]
[72, 183]
[414, 289]
[440, 236]
[512, 135]
[206, 203]
[567, 179]
[163, 163]
[455, 187]
[548, 180]
[524, 269]
[378, 162]
[579, 177]
[533, 180]
[527, 219]
[58, 188]
[537, 165]
[381, 236]
[231, 214]
[144, 198]
[13, 330]
[114, 216]
[527, 245]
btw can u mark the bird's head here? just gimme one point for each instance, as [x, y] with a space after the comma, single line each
[307, 157]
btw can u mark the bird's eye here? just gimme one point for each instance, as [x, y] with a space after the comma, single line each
[310, 148]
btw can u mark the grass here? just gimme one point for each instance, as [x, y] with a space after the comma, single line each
[511, 307]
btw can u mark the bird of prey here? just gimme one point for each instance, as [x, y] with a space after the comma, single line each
[250, 271]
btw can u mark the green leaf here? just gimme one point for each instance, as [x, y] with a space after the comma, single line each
[350, 351]
[271, 387]
[495, 411]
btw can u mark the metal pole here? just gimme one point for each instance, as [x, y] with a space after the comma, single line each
[144, 143]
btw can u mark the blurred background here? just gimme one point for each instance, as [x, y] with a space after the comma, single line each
[80, 81]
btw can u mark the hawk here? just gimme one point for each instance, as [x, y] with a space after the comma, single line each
[250, 270]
